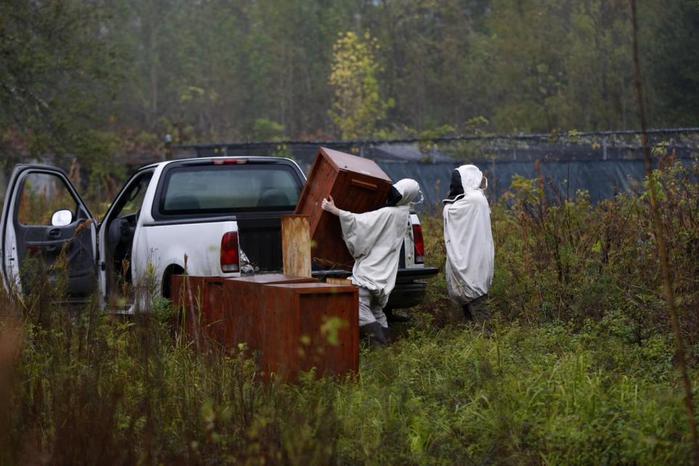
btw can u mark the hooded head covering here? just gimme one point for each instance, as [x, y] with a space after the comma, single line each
[471, 177]
[409, 191]
[464, 179]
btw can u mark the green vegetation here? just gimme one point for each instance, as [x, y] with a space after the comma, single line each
[113, 393]
[357, 103]
[576, 369]
[100, 79]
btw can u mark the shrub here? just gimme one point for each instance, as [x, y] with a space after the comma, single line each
[569, 261]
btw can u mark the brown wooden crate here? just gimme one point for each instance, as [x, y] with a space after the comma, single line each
[282, 320]
[357, 185]
[295, 337]
[345, 161]
[225, 310]
[197, 297]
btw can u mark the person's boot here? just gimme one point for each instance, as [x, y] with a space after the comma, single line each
[388, 334]
[373, 334]
[392, 317]
[468, 317]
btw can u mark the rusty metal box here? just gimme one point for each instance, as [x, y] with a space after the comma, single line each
[310, 325]
[291, 324]
[225, 311]
[356, 184]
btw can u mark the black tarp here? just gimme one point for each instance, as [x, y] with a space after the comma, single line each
[602, 179]
[603, 166]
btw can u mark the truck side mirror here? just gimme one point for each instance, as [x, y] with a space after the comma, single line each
[61, 218]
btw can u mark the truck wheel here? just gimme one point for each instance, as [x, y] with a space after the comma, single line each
[391, 317]
[166, 286]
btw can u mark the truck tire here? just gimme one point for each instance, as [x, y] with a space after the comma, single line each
[165, 285]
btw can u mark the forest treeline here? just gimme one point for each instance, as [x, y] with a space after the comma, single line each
[94, 78]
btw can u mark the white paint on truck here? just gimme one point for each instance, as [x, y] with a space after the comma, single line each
[160, 245]
[156, 240]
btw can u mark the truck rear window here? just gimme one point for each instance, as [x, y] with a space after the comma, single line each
[229, 188]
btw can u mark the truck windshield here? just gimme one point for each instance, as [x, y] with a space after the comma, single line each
[229, 188]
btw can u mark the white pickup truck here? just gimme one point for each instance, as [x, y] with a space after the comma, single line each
[204, 209]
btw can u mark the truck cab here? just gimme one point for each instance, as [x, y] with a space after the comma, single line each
[203, 215]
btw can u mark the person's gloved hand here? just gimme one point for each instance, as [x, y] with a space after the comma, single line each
[329, 206]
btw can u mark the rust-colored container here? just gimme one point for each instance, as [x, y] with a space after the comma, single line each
[226, 311]
[310, 325]
[201, 296]
[291, 324]
[356, 184]
[242, 308]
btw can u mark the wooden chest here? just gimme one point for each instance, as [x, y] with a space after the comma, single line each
[224, 310]
[290, 324]
[310, 325]
[356, 184]
[198, 297]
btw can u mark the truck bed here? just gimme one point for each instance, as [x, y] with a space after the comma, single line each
[261, 239]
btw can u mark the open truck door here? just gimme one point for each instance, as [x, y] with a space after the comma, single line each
[48, 234]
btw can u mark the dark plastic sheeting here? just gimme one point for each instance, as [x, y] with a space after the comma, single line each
[602, 179]
[605, 168]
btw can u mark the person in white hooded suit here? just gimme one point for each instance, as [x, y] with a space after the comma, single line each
[469, 242]
[374, 240]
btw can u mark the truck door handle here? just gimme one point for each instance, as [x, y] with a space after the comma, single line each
[54, 233]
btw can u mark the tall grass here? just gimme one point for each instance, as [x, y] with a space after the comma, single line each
[576, 369]
[569, 261]
[105, 392]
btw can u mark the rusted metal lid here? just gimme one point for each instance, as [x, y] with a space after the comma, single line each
[345, 161]
[272, 278]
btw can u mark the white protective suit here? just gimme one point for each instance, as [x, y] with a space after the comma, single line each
[469, 239]
[374, 240]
